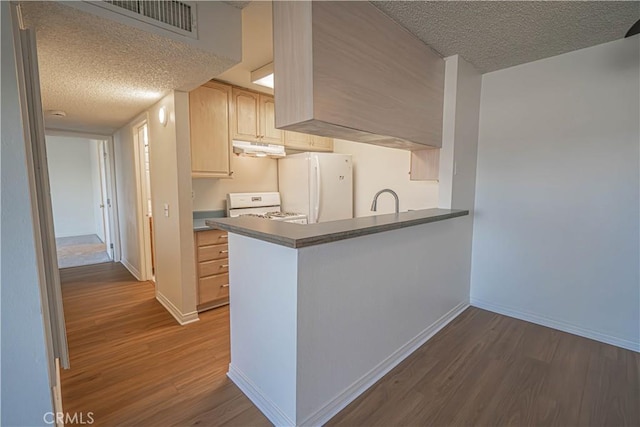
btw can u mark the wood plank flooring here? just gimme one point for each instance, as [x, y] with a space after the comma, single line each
[485, 369]
[133, 365]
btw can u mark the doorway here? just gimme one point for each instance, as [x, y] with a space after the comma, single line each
[80, 180]
[145, 205]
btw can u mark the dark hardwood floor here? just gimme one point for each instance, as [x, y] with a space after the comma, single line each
[132, 364]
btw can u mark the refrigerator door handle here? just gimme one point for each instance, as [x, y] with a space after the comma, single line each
[316, 208]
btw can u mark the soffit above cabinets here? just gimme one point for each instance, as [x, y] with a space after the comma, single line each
[345, 70]
[257, 46]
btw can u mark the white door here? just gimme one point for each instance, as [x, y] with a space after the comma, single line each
[105, 206]
[333, 186]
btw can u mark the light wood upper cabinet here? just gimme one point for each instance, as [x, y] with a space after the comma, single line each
[268, 131]
[297, 141]
[254, 118]
[321, 143]
[305, 142]
[209, 130]
[244, 115]
[425, 165]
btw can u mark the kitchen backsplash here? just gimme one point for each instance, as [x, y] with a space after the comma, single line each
[250, 174]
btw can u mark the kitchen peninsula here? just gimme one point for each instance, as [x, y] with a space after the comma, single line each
[320, 312]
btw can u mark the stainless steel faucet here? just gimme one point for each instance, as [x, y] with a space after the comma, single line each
[374, 204]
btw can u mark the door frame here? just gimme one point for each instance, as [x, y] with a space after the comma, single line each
[110, 173]
[27, 73]
[144, 229]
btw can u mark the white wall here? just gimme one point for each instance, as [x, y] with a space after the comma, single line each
[263, 316]
[556, 237]
[125, 172]
[72, 194]
[375, 168]
[25, 391]
[364, 304]
[250, 174]
[458, 157]
[170, 172]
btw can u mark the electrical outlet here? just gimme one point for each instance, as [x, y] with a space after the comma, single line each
[166, 210]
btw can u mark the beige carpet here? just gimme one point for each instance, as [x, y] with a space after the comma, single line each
[81, 250]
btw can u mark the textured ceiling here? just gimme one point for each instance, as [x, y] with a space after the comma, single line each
[238, 4]
[257, 45]
[103, 73]
[498, 34]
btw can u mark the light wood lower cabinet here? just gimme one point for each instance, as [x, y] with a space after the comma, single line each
[212, 267]
[214, 291]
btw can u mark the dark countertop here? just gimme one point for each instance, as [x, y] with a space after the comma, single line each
[299, 235]
[200, 225]
[199, 218]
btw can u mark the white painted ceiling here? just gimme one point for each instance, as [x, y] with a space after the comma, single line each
[498, 34]
[103, 73]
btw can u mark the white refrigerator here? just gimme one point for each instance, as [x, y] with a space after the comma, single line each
[319, 185]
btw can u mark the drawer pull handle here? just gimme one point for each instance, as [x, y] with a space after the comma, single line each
[224, 266]
[225, 286]
[223, 236]
[224, 252]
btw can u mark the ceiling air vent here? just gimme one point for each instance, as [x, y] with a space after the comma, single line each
[176, 16]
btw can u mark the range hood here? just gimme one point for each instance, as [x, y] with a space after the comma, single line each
[257, 149]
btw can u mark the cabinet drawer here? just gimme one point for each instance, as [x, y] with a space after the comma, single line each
[213, 287]
[212, 237]
[207, 253]
[217, 266]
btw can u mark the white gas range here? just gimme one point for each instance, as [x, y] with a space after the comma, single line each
[261, 205]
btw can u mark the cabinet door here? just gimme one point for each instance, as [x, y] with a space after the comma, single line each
[321, 143]
[213, 289]
[244, 115]
[209, 129]
[297, 140]
[268, 132]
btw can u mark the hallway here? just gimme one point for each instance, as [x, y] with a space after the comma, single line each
[132, 364]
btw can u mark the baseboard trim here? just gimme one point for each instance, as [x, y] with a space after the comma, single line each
[182, 319]
[131, 269]
[331, 408]
[253, 392]
[555, 324]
